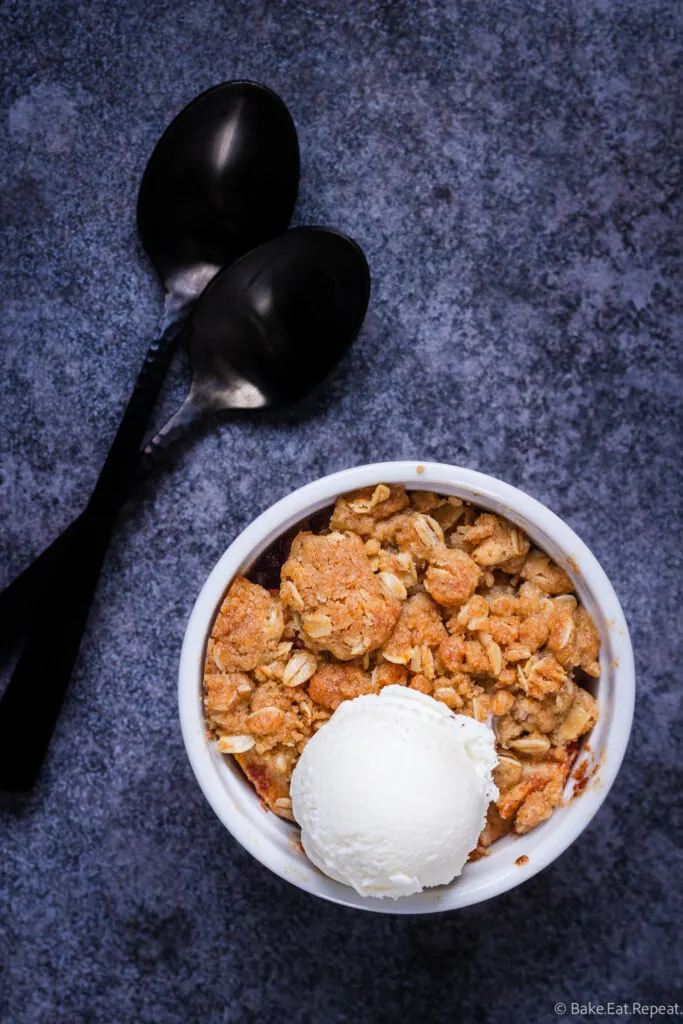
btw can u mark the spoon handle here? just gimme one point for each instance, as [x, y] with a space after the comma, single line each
[32, 699]
[178, 425]
[19, 596]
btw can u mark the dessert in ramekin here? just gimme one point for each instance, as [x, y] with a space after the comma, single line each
[471, 592]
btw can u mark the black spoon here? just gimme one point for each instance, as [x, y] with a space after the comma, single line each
[222, 179]
[265, 333]
[270, 328]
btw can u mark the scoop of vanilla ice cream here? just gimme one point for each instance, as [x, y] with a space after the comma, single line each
[391, 794]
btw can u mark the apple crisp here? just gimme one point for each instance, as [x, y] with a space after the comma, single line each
[420, 590]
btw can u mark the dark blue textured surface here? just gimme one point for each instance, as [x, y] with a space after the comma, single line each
[513, 172]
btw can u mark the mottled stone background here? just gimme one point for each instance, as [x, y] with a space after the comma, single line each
[512, 170]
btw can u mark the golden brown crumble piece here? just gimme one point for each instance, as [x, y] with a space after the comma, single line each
[332, 684]
[460, 693]
[343, 607]
[446, 511]
[386, 673]
[399, 563]
[450, 514]
[358, 512]
[535, 795]
[546, 575]
[419, 590]
[573, 638]
[222, 694]
[452, 576]
[420, 625]
[534, 631]
[426, 501]
[543, 676]
[413, 533]
[532, 715]
[247, 629]
[424, 685]
[496, 543]
[580, 718]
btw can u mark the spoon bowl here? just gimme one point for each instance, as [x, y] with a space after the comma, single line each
[271, 327]
[222, 179]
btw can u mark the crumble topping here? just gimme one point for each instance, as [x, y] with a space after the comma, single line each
[338, 604]
[248, 628]
[419, 590]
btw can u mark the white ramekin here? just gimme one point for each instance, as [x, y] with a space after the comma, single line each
[513, 859]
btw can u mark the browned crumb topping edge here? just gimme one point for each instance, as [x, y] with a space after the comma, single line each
[420, 590]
